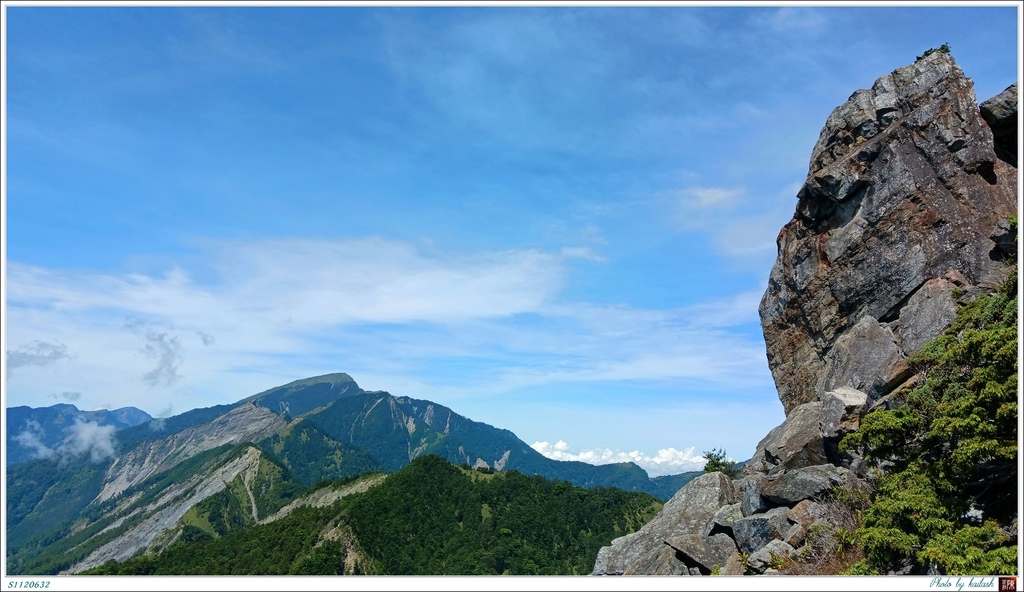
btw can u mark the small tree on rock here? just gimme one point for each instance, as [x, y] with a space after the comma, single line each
[717, 461]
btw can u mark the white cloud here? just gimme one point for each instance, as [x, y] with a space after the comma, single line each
[32, 437]
[271, 305]
[83, 437]
[733, 310]
[710, 197]
[37, 353]
[388, 312]
[667, 461]
[90, 438]
[374, 280]
[311, 284]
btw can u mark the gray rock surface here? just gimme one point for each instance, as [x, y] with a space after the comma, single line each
[169, 508]
[245, 423]
[791, 487]
[721, 521]
[687, 512]
[752, 502]
[904, 186]
[761, 560]
[928, 311]
[804, 515]
[1000, 112]
[754, 532]
[796, 442]
[841, 411]
[657, 561]
[704, 553]
[856, 357]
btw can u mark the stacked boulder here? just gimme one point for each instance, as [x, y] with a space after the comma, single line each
[904, 214]
[734, 526]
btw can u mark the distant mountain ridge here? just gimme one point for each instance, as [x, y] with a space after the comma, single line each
[33, 432]
[143, 480]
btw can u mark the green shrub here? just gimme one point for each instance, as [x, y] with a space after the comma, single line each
[950, 451]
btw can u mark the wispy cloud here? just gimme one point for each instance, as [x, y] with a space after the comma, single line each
[162, 346]
[739, 224]
[32, 438]
[158, 422]
[582, 253]
[387, 308]
[667, 461]
[66, 396]
[37, 353]
[710, 197]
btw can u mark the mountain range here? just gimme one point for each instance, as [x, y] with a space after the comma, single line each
[87, 487]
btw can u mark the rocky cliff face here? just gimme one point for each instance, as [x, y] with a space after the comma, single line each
[904, 213]
[901, 210]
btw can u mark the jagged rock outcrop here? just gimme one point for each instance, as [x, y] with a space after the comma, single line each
[905, 190]
[904, 214]
[795, 443]
[1000, 112]
[687, 513]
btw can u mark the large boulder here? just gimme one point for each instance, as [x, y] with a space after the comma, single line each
[841, 411]
[762, 492]
[686, 513]
[857, 355]
[792, 487]
[804, 515]
[751, 501]
[754, 532]
[928, 311]
[1000, 112]
[657, 561]
[703, 553]
[904, 187]
[796, 442]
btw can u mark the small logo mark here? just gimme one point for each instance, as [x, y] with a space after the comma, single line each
[1007, 584]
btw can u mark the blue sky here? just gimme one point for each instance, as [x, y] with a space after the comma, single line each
[555, 220]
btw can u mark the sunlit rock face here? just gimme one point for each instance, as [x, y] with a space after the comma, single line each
[902, 213]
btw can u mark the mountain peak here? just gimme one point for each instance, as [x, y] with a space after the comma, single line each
[300, 396]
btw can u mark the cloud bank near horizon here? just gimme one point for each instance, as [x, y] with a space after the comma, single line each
[667, 461]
